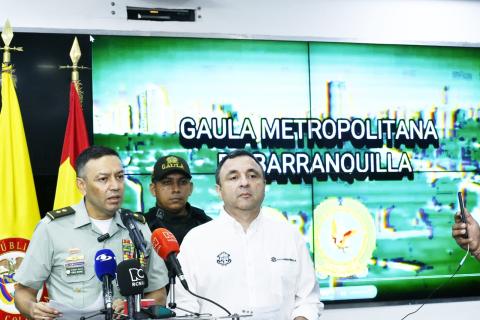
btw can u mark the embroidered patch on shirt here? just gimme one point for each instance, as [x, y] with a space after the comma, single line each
[275, 259]
[223, 258]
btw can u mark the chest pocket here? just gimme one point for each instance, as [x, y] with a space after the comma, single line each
[81, 289]
[284, 272]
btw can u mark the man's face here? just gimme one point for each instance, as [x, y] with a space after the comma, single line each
[102, 184]
[172, 192]
[242, 185]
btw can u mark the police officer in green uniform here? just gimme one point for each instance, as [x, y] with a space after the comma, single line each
[63, 246]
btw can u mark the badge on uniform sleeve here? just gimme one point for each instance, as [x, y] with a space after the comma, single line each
[75, 262]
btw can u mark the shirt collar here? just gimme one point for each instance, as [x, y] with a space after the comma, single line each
[224, 217]
[82, 218]
[81, 215]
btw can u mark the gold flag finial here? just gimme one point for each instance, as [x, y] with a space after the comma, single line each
[75, 54]
[7, 36]
[7, 33]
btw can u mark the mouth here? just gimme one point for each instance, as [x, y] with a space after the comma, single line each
[245, 195]
[114, 199]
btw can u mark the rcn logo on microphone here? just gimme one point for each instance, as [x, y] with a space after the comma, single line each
[103, 257]
[169, 236]
[137, 276]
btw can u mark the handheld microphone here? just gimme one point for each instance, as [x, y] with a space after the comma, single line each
[166, 246]
[105, 268]
[135, 234]
[131, 281]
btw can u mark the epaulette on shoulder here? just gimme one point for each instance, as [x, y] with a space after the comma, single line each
[139, 217]
[54, 214]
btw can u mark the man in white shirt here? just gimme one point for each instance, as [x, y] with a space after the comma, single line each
[247, 261]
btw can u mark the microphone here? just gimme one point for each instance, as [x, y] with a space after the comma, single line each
[166, 246]
[103, 237]
[105, 268]
[135, 234]
[131, 281]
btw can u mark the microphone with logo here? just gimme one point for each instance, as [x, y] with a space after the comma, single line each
[131, 281]
[105, 268]
[166, 246]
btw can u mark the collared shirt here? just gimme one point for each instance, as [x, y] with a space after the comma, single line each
[62, 254]
[266, 270]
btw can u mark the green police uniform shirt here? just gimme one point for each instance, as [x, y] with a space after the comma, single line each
[62, 254]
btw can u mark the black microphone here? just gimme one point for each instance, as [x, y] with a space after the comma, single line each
[131, 281]
[103, 237]
[135, 234]
[105, 268]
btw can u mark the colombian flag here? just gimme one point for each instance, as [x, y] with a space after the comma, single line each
[18, 200]
[76, 140]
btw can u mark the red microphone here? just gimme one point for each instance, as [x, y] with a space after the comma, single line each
[166, 246]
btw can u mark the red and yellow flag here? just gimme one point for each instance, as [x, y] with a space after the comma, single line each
[76, 140]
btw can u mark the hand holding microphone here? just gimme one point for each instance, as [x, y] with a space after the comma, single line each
[166, 246]
[105, 269]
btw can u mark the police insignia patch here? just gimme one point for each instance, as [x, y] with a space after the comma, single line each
[223, 258]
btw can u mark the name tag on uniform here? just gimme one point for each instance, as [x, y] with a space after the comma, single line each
[75, 262]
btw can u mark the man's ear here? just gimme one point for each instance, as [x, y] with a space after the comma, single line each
[152, 189]
[191, 189]
[219, 190]
[82, 186]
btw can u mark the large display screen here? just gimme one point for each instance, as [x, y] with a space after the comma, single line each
[364, 146]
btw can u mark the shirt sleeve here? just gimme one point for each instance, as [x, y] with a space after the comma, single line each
[37, 264]
[187, 259]
[307, 296]
[156, 269]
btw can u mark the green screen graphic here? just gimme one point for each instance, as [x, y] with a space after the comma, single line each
[375, 237]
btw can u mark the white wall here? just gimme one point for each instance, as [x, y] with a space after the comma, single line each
[444, 22]
[377, 21]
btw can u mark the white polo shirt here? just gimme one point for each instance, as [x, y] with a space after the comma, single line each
[266, 270]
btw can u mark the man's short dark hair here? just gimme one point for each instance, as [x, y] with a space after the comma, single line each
[232, 155]
[92, 152]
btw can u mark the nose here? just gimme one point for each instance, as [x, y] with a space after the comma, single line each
[244, 181]
[115, 184]
[176, 186]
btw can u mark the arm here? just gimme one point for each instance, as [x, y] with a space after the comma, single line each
[473, 241]
[307, 294]
[160, 296]
[26, 303]
[183, 299]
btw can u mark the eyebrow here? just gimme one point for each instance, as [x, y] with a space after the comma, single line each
[99, 174]
[233, 171]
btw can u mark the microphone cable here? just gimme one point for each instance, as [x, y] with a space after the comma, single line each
[441, 286]
[211, 301]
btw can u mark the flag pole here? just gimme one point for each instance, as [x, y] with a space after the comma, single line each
[76, 136]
